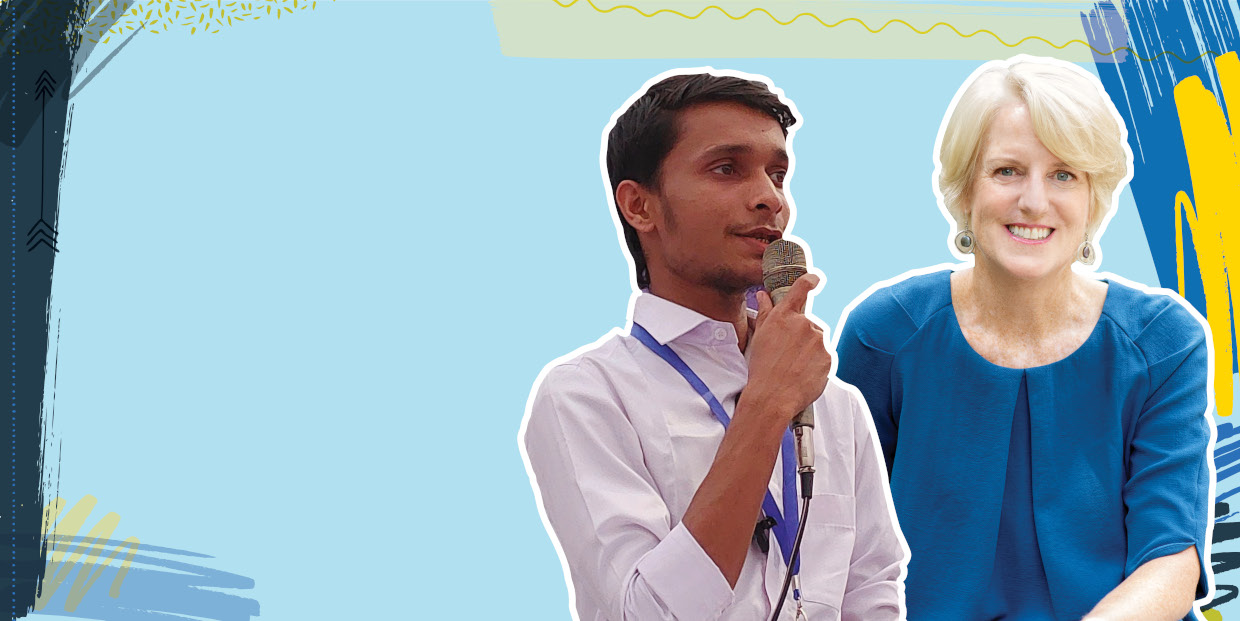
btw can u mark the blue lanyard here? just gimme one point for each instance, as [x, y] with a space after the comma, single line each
[785, 530]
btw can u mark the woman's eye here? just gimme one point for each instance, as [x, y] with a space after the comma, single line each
[1007, 172]
[1064, 176]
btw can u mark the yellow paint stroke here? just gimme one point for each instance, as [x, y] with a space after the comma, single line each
[1211, 148]
[1212, 615]
[61, 561]
[883, 27]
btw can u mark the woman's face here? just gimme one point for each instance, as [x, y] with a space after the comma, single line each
[1029, 209]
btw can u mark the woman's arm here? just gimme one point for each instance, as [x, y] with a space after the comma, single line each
[1167, 494]
[1162, 588]
[866, 365]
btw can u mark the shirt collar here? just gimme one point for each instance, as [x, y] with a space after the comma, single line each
[667, 321]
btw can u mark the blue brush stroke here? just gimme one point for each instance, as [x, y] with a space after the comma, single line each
[1223, 474]
[67, 540]
[1225, 431]
[1226, 457]
[1144, 93]
[158, 588]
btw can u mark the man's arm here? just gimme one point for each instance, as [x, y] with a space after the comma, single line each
[788, 370]
[624, 554]
[613, 525]
[879, 558]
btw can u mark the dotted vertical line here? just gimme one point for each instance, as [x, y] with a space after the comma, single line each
[13, 310]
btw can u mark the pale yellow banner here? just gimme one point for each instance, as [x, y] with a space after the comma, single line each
[792, 28]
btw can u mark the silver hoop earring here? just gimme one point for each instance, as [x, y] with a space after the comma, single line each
[964, 239]
[1085, 253]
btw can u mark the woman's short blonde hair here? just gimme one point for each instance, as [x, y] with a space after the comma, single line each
[1071, 114]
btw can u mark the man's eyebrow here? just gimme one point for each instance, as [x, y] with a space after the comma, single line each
[738, 149]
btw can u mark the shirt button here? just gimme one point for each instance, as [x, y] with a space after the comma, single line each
[720, 334]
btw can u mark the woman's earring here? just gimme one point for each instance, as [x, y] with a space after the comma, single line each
[964, 239]
[1085, 253]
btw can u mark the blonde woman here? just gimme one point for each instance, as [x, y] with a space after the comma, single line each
[1046, 432]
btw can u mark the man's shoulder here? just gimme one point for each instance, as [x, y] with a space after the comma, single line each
[586, 378]
[574, 388]
[608, 355]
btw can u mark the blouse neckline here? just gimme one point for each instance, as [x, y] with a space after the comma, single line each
[1093, 333]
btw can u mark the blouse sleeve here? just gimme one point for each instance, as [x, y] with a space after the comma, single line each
[1167, 491]
[865, 361]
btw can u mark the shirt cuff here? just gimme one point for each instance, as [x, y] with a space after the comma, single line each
[680, 573]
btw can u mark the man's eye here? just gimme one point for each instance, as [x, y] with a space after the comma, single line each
[778, 176]
[1064, 176]
[724, 169]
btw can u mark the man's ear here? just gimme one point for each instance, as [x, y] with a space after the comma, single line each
[634, 203]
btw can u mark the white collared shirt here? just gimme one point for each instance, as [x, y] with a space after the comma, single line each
[617, 443]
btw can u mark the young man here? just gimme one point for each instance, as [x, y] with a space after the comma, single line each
[659, 498]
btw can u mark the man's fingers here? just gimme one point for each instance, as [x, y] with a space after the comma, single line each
[799, 292]
[764, 304]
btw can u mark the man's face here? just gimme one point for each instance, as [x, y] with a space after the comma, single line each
[719, 199]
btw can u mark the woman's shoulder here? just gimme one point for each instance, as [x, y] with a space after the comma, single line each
[891, 311]
[1158, 321]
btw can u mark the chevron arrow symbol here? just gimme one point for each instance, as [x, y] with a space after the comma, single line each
[44, 86]
[41, 233]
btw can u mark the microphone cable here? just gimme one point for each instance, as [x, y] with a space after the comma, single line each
[807, 492]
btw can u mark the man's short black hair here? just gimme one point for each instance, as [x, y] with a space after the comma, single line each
[646, 132]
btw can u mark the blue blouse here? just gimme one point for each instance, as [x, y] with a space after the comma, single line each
[1117, 447]
[1018, 588]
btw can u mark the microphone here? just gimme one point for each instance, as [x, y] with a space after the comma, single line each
[782, 263]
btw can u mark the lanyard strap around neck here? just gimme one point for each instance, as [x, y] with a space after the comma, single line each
[785, 530]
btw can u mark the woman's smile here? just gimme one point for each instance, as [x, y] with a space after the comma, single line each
[1028, 234]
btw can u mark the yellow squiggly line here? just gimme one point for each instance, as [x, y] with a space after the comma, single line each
[884, 26]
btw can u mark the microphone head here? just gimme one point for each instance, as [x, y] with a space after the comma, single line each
[783, 262]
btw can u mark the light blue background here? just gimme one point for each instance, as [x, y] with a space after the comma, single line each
[309, 270]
